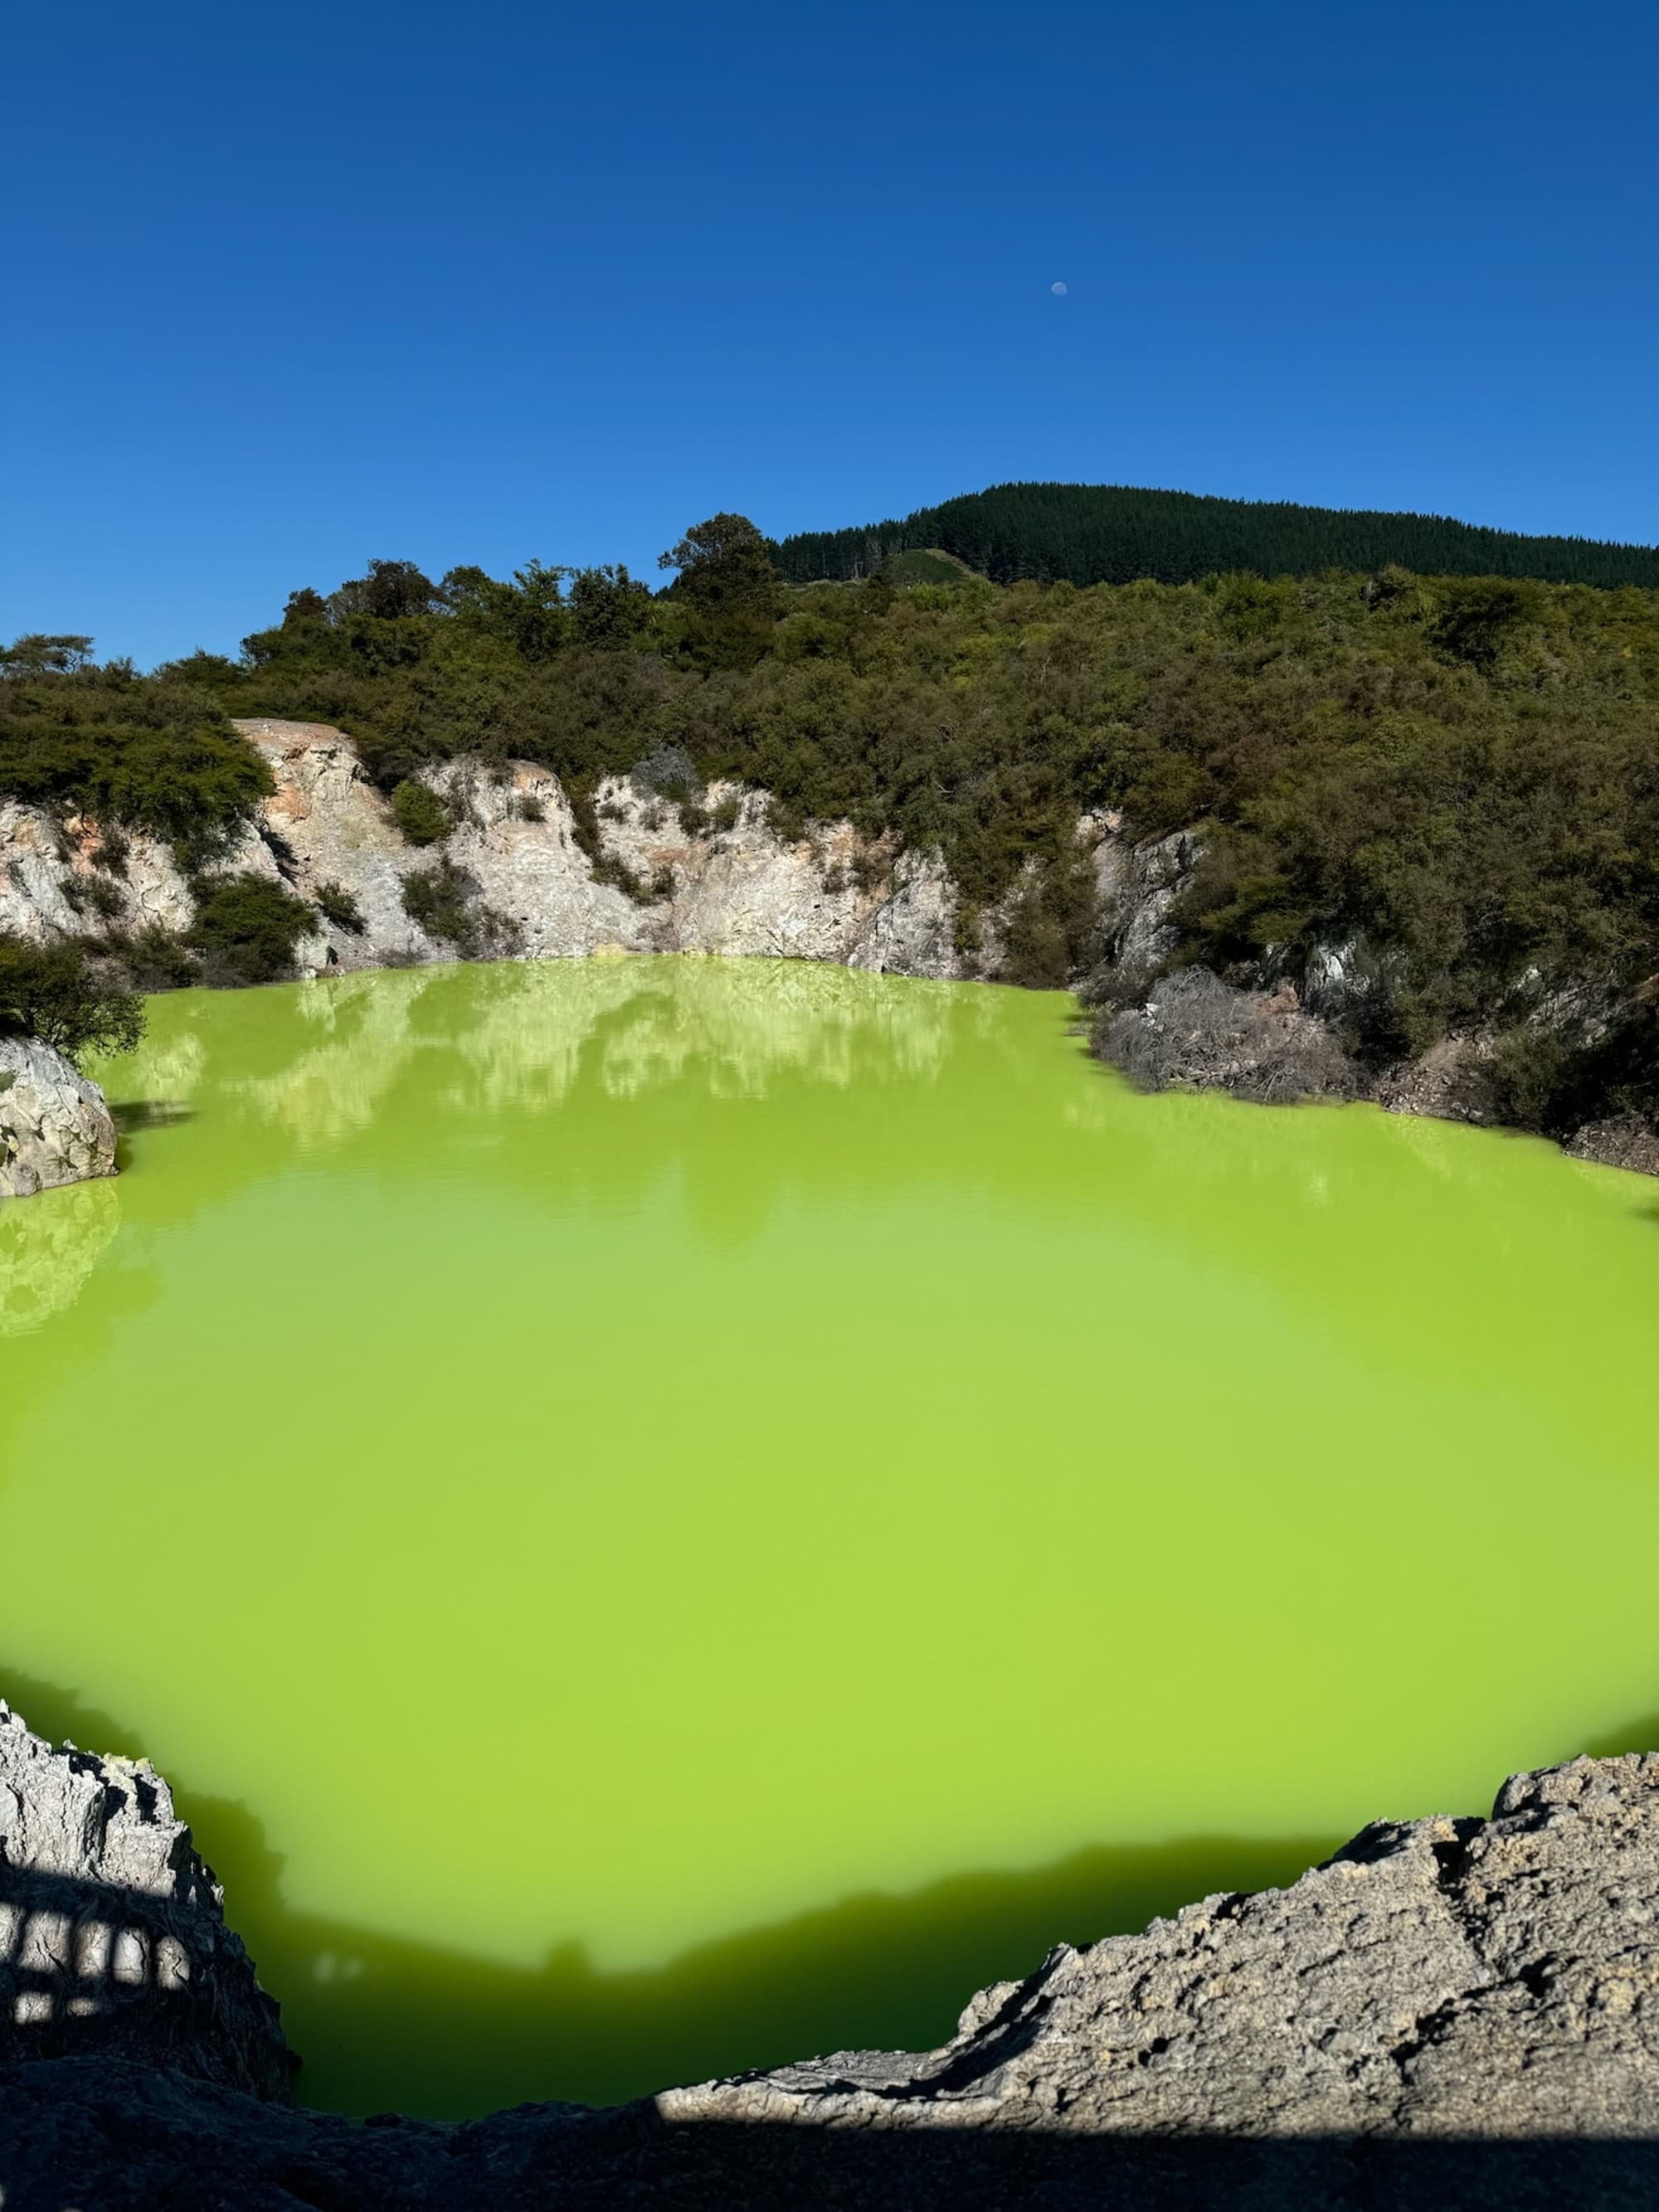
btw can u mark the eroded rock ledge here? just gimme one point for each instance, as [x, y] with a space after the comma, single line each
[1462, 2011]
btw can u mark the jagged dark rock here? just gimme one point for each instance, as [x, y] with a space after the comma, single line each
[1455, 2011]
[1195, 1031]
[1623, 1142]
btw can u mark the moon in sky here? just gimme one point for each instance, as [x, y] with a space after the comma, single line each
[1059, 291]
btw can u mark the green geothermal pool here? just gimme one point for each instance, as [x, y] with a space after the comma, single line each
[663, 1515]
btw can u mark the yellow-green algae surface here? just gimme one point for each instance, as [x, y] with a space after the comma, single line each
[665, 1514]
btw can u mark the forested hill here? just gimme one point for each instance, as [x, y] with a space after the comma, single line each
[1114, 533]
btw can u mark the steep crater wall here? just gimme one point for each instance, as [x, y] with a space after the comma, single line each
[518, 872]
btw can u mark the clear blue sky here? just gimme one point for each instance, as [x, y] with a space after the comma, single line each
[290, 287]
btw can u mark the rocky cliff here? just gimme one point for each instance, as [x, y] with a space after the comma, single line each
[726, 885]
[654, 885]
[1263, 1036]
[1463, 2010]
[517, 874]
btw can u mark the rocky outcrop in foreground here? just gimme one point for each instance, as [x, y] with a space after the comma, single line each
[54, 1125]
[1460, 2011]
[112, 1937]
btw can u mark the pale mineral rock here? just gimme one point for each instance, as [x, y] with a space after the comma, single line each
[54, 1125]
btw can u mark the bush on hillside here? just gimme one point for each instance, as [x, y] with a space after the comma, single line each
[420, 814]
[338, 905]
[246, 929]
[53, 993]
[443, 901]
[149, 754]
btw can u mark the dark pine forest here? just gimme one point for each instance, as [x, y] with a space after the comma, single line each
[1114, 533]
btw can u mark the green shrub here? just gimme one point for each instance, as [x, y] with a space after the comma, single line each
[1530, 1069]
[420, 814]
[52, 992]
[103, 898]
[668, 773]
[1049, 924]
[441, 901]
[245, 929]
[338, 905]
[148, 754]
[151, 959]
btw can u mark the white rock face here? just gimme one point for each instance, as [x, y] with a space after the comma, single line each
[734, 891]
[334, 827]
[738, 891]
[745, 892]
[1136, 886]
[516, 837]
[54, 1125]
[49, 878]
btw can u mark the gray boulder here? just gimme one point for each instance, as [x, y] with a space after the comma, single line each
[54, 1125]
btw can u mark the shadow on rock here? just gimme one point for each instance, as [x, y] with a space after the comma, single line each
[130, 2138]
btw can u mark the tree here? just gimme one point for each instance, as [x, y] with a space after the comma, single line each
[420, 814]
[609, 606]
[730, 593]
[539, 616]
[50, 992]
[39, 656]
[391, 592]
[248, 928]
[305, 609]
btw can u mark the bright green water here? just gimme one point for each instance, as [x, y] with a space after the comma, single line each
[664, 1515]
